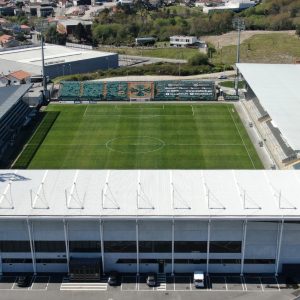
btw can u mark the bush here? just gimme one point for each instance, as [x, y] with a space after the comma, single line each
[198, 59]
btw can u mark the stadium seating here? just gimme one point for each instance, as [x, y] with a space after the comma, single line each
[116, 91]
[69, 90]
[12, 121]
[124, 91]
[91, 91]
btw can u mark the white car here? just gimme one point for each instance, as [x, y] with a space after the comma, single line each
[199, 279]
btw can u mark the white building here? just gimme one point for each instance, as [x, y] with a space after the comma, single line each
[140, 221]
[59, 60]
[234, 5]
[182, 41]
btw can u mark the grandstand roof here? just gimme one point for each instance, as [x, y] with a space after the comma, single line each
[263, 194]
[10, 95]
[276, 87]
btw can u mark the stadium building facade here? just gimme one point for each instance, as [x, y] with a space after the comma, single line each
[140, 221]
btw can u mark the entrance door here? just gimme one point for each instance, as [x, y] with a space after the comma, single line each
[161, 266]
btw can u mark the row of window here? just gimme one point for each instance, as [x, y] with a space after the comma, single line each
[38, 261]
[124, 246]
[179, 246]
[143, 261]
[197, 261]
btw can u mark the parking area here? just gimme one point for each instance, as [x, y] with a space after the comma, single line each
[35, 283]
[182, 283]
[212, 283]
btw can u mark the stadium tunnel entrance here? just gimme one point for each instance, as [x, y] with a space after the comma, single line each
[85, 268]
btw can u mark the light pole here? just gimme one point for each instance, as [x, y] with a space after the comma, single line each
[239, 25]
[41, 26]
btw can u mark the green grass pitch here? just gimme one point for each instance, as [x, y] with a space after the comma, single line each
[146, 136]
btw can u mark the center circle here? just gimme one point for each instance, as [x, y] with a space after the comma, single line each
[135, 144]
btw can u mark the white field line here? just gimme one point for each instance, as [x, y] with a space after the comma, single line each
[137, 117]
[85, 111]
[216, 145]
[241, 138]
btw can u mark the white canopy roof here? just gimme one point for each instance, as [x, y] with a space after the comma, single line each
[276, 87]
[150, 193]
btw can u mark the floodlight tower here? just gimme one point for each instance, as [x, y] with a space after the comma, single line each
[41, 26]
[239, 25]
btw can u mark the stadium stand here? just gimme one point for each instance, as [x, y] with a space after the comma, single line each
[116, 91]
[124, 91]
[14, 112]
[91, 91]
[273, 139]
[70, 90]
[184, 90]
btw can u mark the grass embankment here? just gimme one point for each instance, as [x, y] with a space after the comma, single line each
[267, 48]
[152, 69]
[230, 84]
[172, 53]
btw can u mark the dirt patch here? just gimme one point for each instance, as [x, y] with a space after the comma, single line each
[230, 38]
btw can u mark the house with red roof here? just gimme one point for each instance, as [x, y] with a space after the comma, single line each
[19, 77]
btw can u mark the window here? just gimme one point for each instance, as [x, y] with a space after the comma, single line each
[155, 246]
[50, 246]
[51, 261]
[85, 246]
[225, 247]
[14, 246]
[190, 246]
[260, 261]
[126, 261]
[224, 261]
[16, 261]
[120, 246]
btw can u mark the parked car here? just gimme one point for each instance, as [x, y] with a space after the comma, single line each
[222, 76]
[151, 279]
[198, 279]
[113, 278]
[24, 281]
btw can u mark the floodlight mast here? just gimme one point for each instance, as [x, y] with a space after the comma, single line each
[239, 25]
[41, 26]
[43, 68]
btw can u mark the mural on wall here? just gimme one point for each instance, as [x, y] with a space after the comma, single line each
[140, 90]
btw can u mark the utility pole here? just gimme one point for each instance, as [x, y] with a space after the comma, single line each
[239, 25]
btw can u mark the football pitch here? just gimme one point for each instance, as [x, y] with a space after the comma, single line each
[146, 136]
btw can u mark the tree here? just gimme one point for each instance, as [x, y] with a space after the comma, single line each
[199, 59]
[80, 32]
[54, 37]
[298, 30]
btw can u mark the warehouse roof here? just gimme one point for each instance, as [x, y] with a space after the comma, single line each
[150, 193]
[10, 95]
[276, 87]
[30, 59]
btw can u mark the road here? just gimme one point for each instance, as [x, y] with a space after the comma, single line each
[211, 76]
